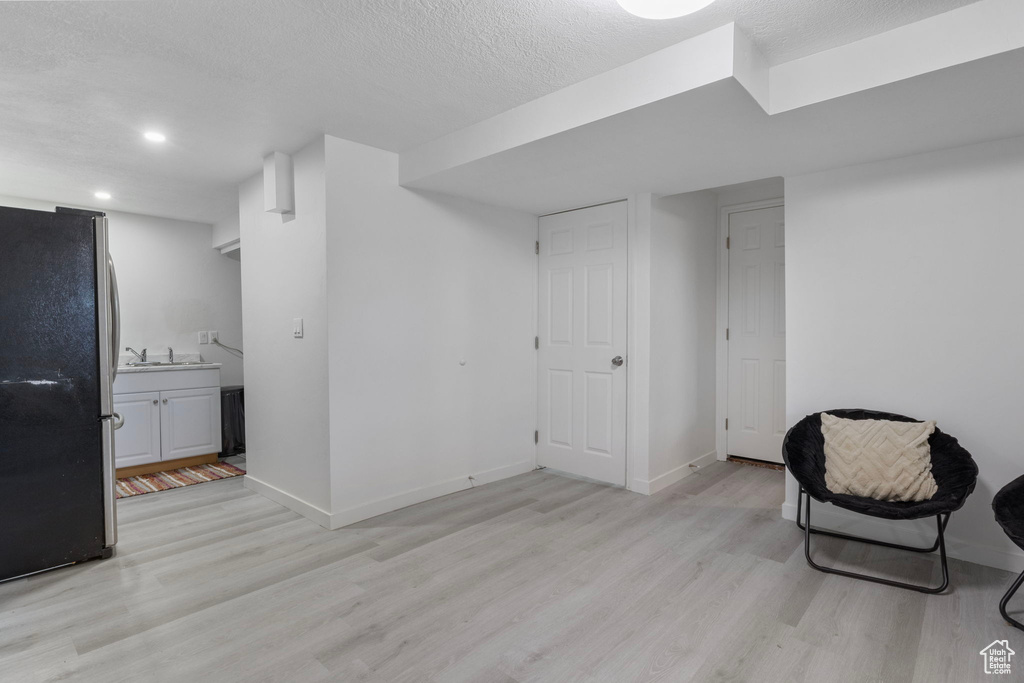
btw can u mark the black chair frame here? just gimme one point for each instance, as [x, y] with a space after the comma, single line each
[1006, 598]
[954, 470]
[939, 544]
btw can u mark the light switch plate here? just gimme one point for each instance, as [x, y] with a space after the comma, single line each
[297, 328]
[204, 338]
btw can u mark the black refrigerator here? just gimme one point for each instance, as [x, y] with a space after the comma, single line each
[59, 332]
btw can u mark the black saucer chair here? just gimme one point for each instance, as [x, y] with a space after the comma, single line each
[1008, 505]
[953, 468]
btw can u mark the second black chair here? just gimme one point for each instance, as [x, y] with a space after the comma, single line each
[1008, 505]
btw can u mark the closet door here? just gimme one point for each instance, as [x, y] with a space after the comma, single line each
[582, 343]
[757, 334]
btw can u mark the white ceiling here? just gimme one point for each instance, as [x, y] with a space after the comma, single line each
[234, 79]
[718, 135]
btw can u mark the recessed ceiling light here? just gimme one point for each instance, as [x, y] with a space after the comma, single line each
[153, 136]
[663, 9]
[102, 195]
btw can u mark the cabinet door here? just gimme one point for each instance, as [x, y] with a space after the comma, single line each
[190, 422]
[138, 441]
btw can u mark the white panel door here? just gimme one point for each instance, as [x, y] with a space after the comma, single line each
[190, 422]
[137, 442]
[582, 330]
[757, 334]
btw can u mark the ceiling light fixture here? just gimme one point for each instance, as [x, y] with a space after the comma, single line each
[102, 195]
[663, 9]
[153, 136]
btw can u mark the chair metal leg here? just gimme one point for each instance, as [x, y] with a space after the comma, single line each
[940, 541]
[1006, 598]
[836, 534]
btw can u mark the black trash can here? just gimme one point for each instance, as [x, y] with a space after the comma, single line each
[232, 420]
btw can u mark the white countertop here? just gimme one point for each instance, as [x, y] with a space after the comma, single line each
[127, 369]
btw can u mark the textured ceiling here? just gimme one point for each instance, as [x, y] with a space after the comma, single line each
[231, 80]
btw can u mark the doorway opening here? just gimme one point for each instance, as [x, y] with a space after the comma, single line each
[752, 350]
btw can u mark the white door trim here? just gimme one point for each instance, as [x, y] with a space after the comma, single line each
[722, 319]
[638, 335]
[638, 341]
[535, 342]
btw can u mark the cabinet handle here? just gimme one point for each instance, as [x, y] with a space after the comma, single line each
[165, 400]
[155, 401]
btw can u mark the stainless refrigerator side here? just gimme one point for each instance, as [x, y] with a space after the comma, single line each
[109, 325]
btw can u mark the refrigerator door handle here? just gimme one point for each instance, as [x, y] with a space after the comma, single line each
[104, 317]
[108, 318]
[109, 484]
[115, 314]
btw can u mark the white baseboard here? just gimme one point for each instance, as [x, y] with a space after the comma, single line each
[380, 506]
[649, 488]
[308, 510]
[388, 504]
[919, 532]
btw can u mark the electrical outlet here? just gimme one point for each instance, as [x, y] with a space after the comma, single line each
[214, 336]
[204, 338]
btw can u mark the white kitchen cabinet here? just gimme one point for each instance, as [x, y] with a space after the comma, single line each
[189, 422]
[137, 442]
[169, 414]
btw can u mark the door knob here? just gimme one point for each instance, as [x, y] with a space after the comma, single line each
[617, 361]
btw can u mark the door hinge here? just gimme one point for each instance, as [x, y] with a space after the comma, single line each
[727, 334]
[536, 436]
[728, 242]
[536, 247]
[726, 424]
[536, 342]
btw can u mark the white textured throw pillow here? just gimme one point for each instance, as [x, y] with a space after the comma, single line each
[878, 459]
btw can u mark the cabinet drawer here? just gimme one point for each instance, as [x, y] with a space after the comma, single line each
[166, 380]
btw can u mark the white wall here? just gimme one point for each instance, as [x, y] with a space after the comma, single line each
[374, 409]
[284, 276]
[904, 295]
[226, 233]
[682, 335]
[172, 285]
[418, 283]
[756, 191]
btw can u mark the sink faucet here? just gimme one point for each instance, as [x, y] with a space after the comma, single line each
[140, 356]
[170, 355]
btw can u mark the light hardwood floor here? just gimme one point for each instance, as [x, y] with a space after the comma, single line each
[535, 578]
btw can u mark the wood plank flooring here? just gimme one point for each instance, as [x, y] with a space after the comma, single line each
[535, 578]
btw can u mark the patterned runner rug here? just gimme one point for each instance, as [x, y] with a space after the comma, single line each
[172, 479]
